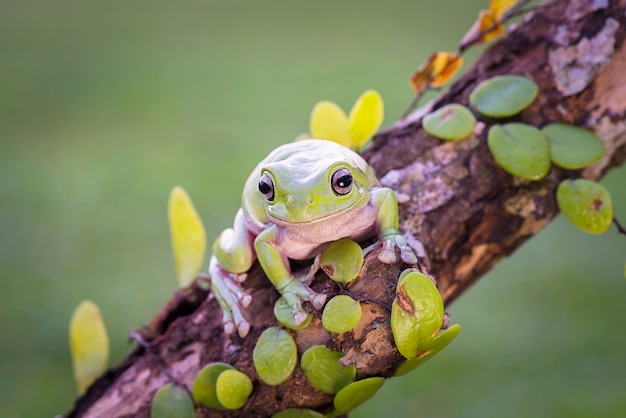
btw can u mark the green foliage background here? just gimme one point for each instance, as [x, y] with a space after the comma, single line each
[104, 106]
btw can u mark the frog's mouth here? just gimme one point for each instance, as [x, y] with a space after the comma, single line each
[279, 215]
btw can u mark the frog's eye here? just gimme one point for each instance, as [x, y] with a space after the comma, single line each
[266, 187]
[341, 181]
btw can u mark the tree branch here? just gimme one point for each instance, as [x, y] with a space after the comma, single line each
[467, 212]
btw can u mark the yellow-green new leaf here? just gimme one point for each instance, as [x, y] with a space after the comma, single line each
[500, 7]
[89, 344]
[365, 118]
[188, 236]
[329, 121]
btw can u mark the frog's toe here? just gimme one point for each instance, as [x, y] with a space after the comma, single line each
[234, 321]
[299, 317]
[229, 325]
[387, 254]
[231, 297]
[294, 300]
[387, 257]
[245, 300]
[318, 300]
[243, 329]
[408, 256]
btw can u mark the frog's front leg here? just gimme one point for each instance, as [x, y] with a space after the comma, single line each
[294, 289]
[385, 200]
[232, 258]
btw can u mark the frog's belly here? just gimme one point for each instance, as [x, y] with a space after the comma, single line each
[303, 241]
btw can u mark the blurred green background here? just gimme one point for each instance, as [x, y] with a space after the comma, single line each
[105, 106]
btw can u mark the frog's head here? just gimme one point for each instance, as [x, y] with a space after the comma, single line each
[306, 189]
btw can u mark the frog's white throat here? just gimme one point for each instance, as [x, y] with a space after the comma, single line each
[301, 240]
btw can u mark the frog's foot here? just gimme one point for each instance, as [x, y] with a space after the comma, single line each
[231, 297]
[392, 242]
[297, 292]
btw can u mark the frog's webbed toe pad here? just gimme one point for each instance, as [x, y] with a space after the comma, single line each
[231, 296]
[407, 255]
[387, 254]
[230, 326]
[318, 300]
[297, 292]
[299, 317]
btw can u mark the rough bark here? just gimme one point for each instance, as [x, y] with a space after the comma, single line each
[466, 210]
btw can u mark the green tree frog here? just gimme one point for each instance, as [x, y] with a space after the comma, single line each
[300, 198]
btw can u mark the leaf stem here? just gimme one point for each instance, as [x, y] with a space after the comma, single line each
[620, 228]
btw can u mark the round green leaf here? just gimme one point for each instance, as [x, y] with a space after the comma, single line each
[342, 260]
[503, 96]
[441, 340]
[572, 147]
[452, 122]
[233, 389]
[324, 371]
[284, 315]
[356, 393]
[275, 356]
[520, 149]
[416, 312]
[586, 204]
[412, 363]
[171, 401]
[203, 390]
[341, 314]
[404, 327]
[298, 413]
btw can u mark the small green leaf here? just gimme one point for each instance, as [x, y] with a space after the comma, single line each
[412, 363]
[342, 260]
[452, 122]
[416, 312]
[503, 96]
[356, 393]
[275, 355]
[341, 314]
[233, 389]
[298, 413]
[442, 338]
[438, 343]
[324, 371]
[572, 147]
[586, 204]
[204, 386]
[89, 344]
[520, 149]
[284, 314]
[188, 236]
[171, 402]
